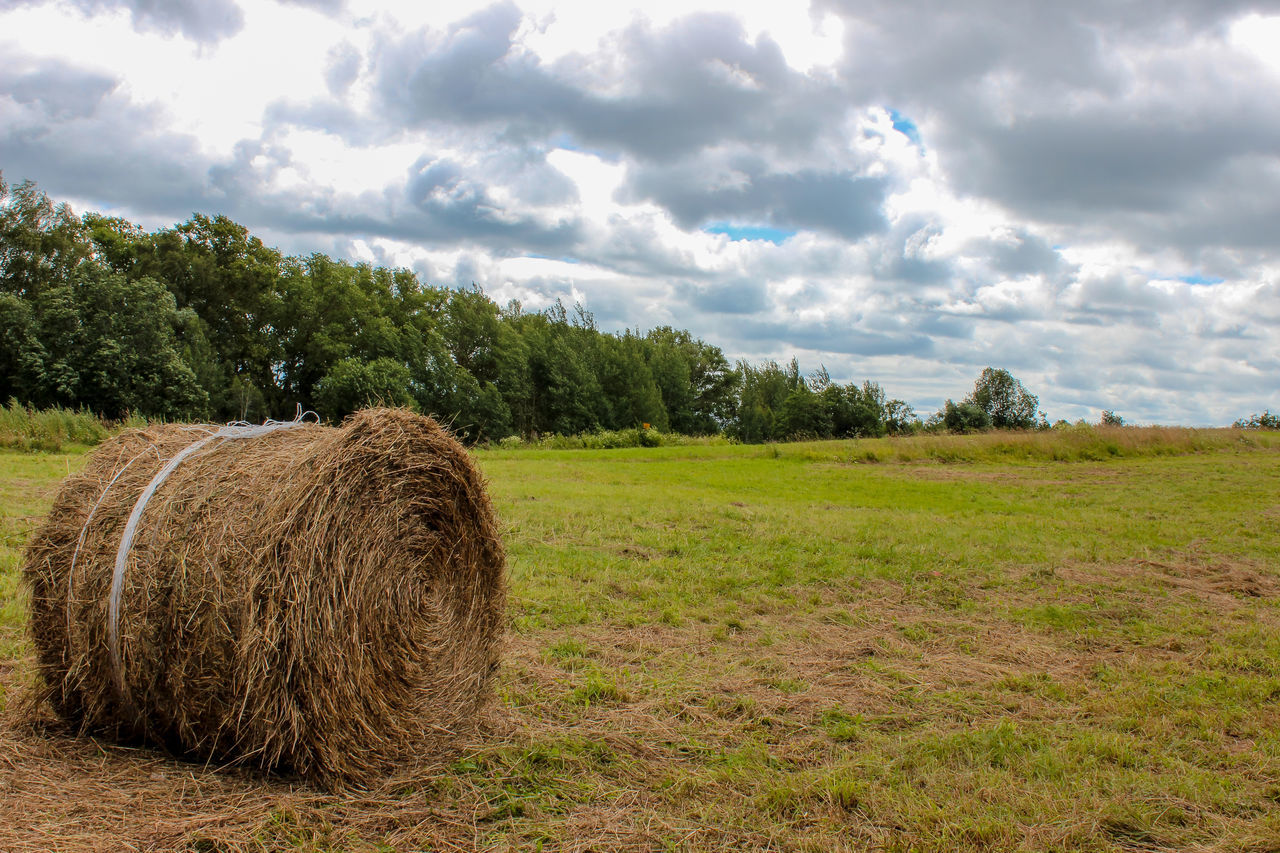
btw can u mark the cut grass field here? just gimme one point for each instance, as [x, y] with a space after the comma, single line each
[792, 648]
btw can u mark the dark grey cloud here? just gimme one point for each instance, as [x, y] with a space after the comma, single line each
[441, 203]
[988, 82]
[59, 90]
[932, 320]
[204, 21]
[454, 205]
[635, 248]
[737, 295]
[1115, 160]
[834, 337]
[327, 115]
[1107, 300]
[839, 202]
[1117, 118]
[80, 135]
[1021, 253]
[682, 88]
[918, 45]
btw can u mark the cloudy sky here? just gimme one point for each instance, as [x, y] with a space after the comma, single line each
[1085, 193]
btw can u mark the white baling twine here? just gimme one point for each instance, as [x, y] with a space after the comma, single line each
[230, 432]
[75, 555]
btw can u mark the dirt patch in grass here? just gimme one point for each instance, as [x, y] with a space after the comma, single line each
[1222, 584]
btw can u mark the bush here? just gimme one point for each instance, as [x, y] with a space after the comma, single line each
[353, 384]
[1266, 420]
[610, 440]
[968, 416]
[49, 429]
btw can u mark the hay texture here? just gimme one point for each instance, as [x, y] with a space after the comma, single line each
[322, 601]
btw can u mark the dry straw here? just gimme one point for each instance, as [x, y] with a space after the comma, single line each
[322, 601]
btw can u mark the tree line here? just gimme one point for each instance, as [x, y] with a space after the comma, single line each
[204, 321]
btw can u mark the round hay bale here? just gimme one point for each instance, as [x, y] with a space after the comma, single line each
[315, 600]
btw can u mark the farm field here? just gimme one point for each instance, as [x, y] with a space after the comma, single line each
[790, 647]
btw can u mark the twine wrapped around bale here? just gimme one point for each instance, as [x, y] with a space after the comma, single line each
[316, 600]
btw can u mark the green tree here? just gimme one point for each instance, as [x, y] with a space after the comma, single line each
[22, 356]
[900, 418]
[1266, 420]
[353, 384]
[866, 410]
[231, 281]
[126, 353]
[325, 311]
[803, 415]
[40, 244]
[1004, 399]
[762, 393]
[966, 416]
[632, 396]
[695, 381]
[76, 333]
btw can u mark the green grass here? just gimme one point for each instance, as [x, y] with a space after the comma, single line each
[736, 647]
[28, 482]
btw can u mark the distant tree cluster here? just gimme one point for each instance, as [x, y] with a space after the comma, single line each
[775, 402]
[203, 320]
[1266, 420]
[998, 401]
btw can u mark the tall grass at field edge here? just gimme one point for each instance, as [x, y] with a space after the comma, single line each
[1079, 443]
[50, 430]
[611, 440]
[1071, 444]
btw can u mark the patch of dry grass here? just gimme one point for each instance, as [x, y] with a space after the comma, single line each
[1080, 443]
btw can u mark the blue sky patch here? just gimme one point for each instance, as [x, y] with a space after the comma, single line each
[563, 258]
[750, 232]
[905, 126]
[1200, 279]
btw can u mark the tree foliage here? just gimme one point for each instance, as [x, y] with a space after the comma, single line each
[1006, 402]
[1266, 420]
[966, 416]
[204, 320]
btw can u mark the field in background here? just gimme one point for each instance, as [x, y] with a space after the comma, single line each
[823, 646]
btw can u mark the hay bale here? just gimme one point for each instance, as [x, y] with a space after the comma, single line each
[323, 601]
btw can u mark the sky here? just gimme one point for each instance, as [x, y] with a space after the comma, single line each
[1086, 194]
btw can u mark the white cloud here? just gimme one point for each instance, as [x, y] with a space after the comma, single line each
[1260, 36]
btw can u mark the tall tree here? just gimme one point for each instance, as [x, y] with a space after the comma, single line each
[231, 280]
[1004, 399]
[40, 244]
[694, 379]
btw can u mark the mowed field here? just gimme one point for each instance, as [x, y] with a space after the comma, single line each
[791, 647]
